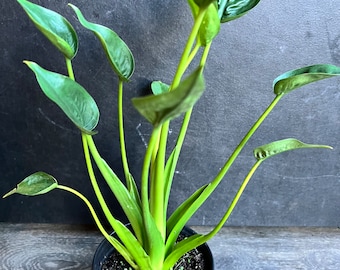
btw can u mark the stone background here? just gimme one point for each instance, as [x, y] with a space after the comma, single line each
[300, 188]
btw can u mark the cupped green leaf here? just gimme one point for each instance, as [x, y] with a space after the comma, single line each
[229, 10]
[296, 78]
[70, 96]
[118, 53]
[210, 25]
[158, 87]
[160, 108]
[54, 26]
[268, 150]
[35, 184]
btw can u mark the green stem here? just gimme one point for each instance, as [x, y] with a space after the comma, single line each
[157, 182]
[94, 183]
[121, 132]
[183, 63]
[243, 142]
[69, 68]
[157, 187]
[194, 206]
[184, 127]
[146, 170]
[235, 200]
[114, 242]
[187, 116]
[195, 242]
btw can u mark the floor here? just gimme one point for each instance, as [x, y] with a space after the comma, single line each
[64, 247]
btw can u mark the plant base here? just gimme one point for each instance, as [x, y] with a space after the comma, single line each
[107, 258]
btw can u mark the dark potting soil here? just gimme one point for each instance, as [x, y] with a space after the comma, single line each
[193, 260]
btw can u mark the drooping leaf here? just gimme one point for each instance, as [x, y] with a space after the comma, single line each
[118, 53]
[158, 87]
[70, 96]
[296, 78]
[268, 150]
[160, 108]
[54, 26]
[35, 184]
[229, 10]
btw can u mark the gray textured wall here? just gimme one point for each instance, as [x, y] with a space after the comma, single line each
[297, 188]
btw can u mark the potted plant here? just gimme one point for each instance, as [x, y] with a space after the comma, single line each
[155, 239]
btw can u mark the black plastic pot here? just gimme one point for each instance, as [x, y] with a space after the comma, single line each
[105, 249]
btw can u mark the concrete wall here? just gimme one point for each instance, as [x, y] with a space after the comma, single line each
[296, 189]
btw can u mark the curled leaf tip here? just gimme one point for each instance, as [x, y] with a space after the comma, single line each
[9, 193]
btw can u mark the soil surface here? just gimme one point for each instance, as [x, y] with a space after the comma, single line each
[193, 260]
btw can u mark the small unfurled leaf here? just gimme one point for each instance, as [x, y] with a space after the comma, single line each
[229, 10]
[54, 26]
[296, 78]
[268, 150]
[70, 96]
[118, 53]
[158, 87]
[160, 108]
[35, 184]
[210, 26]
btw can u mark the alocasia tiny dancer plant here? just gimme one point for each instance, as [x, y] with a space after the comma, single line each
[152, 244]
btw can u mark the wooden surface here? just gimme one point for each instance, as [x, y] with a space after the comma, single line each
[63, 247]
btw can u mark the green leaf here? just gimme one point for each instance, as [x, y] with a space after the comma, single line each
[70, 96]
[203, 3]
[133, 246]
[127, 201]
[54, 26]
[160, 108]
[133, 190]
[35, 184]
[118, 53]
[210, 26]
[182, 248]
[268, 150]
[183, 213]
[169, 172]
[229, 10]
[296, 78]
[194, 8]
[158, 87]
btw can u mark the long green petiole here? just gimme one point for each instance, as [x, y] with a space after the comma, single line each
[69, 68]
[178, 218]
[110, 218]
[121, 132]
[191, 243]
[157, 181]
[183, 132]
